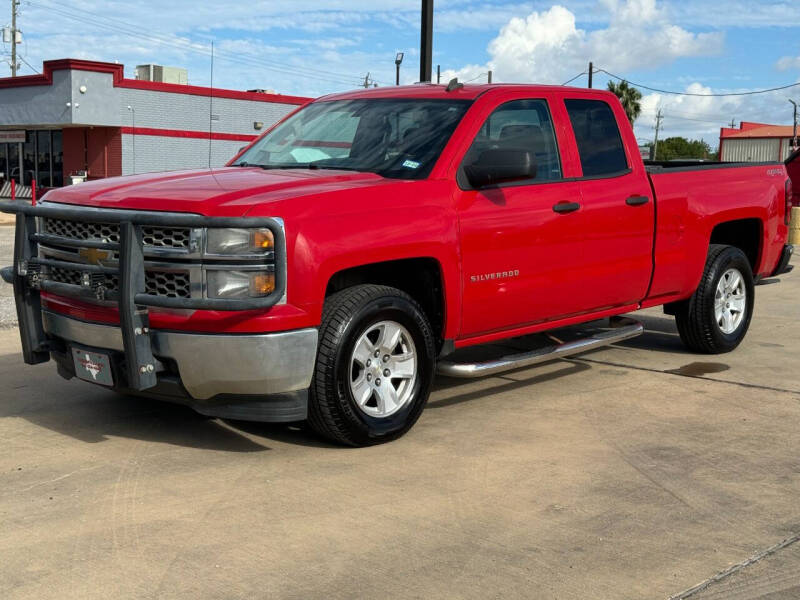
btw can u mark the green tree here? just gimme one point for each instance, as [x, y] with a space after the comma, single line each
[674, 148]
[629, 96]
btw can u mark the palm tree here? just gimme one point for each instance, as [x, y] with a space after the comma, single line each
[630, 98]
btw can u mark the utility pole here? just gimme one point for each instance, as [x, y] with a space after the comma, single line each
[426, 42]
[489, 79]
[794, 132]
[591, 72]
[366, 80]
[14, 6]
[438, 73]
[733, 123]
[659, 118]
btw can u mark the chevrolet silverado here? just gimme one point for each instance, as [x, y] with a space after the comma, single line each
[334, 265]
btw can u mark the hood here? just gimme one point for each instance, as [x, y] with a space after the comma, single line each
[230, 191]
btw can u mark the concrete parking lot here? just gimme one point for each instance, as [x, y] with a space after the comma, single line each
[638, 471]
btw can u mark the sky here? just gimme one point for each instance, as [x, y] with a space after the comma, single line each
[311, 48]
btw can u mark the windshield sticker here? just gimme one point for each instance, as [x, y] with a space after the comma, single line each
[411, 164]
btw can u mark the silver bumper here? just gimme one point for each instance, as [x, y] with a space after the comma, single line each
[213, 364]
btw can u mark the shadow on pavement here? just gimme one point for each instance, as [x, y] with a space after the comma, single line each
[92, 414]
[508, 385]
[299, 434]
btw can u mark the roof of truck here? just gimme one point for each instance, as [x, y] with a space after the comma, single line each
[469, 91]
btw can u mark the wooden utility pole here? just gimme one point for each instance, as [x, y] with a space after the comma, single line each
[591, 72]
[14, 6]
[659, 118]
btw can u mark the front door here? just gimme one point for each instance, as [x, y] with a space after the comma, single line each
[516, 248]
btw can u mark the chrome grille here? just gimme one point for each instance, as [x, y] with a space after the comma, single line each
[171, 284]
[176, 238]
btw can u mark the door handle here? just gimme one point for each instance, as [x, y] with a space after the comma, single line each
[566, 207]
[637, 200]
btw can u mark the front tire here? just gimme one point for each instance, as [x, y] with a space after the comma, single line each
[375, 366]
[717, 316]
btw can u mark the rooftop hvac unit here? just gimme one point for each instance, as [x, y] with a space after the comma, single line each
[162, 74]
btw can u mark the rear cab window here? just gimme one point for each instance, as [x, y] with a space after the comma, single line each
[600, 147]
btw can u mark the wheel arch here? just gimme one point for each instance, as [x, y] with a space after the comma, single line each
[745, 234]
[422, 278]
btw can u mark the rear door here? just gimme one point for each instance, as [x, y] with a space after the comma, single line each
[617, 208]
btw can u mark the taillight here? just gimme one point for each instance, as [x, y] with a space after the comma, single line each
[788, 212]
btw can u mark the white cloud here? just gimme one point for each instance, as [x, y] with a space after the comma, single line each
[548, 47]
[787, 63]
[700, 117]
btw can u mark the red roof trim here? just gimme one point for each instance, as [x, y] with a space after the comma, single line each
[118, 73]
[756, 131]
[185, 133]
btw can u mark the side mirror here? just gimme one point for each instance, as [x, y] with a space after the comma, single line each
[500, 166]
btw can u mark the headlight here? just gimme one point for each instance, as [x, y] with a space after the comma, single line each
[239, 284]
[233, 242]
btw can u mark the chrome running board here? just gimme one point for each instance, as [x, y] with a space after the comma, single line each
[623, 328]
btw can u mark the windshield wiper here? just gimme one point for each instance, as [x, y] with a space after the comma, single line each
[277, 167]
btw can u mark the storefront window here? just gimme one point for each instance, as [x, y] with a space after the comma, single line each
[58, 159]
[29, 158]
[13, 161]
[4, 175]
[43, 159]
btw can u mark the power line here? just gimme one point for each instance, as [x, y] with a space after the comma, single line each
[672, 115]
[476, 77]
[574, 78]
[30, 66]
[652, 89]
[194, 47]
[166, 39]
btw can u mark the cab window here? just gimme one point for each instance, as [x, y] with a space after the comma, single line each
[597, 135]
[521, 125]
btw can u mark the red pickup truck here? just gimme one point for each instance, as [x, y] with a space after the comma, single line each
[339, 260]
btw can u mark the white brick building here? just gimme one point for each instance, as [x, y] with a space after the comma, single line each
[85, 116]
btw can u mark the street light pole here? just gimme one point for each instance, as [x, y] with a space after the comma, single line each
[426, 42]
[794, 131]
[397, 61]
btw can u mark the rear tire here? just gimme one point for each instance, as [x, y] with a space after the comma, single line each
[358, 398]
[717, 316]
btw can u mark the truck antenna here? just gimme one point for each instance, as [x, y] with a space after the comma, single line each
[454, 85]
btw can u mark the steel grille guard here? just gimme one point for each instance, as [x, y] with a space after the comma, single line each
[133, 300]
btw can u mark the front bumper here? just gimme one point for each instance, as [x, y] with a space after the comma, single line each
[134, 334]
[262, 377]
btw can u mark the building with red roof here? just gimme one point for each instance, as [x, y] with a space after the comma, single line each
[755, 142]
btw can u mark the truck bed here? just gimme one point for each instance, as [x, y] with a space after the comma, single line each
[655, 166]
[691, 198]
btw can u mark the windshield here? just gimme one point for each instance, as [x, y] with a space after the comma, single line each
[399, 138]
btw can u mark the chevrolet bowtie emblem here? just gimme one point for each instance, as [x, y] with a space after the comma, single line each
[94, 256]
